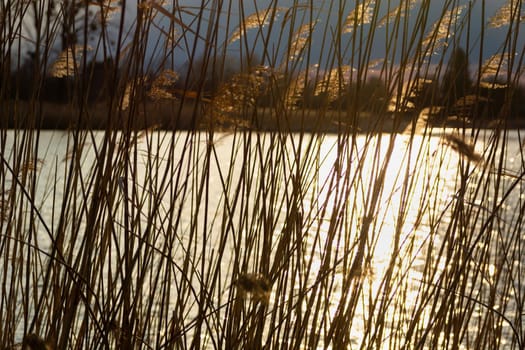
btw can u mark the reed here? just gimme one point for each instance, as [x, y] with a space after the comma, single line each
[254, 227]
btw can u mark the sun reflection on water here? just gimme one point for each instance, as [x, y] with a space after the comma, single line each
[419, 181]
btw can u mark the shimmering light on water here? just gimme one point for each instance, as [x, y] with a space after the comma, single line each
[405, 186]
[418, 183]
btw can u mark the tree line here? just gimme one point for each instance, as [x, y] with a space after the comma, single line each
[455, 91]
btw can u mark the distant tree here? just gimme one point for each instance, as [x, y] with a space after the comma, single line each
[76, 18]
[66, 20]
[505, 99]
[518, 102]
[374, 95]
[425, 93]
[371, 95]
[62, 27]
[70, 10]
[456, 80]
[311, 98]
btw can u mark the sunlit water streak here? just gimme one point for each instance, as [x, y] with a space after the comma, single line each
[411, 213]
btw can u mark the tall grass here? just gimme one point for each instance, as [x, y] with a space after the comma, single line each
[230, 236]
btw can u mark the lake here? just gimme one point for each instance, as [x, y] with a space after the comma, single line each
[383, 241]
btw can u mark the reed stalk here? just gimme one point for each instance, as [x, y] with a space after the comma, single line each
[294, 198]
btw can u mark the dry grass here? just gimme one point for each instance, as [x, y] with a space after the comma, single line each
[134, 237]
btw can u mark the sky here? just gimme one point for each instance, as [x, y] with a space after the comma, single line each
[325, 15]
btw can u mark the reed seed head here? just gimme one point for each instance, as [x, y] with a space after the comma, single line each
[34, 342]
[463, 148]
[258, 286]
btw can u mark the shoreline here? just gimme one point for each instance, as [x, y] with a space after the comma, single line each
[173, 115]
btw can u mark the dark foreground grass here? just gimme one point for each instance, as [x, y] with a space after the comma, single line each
[229, 237]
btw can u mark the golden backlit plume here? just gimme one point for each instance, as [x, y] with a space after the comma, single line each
[31, 166]
[162, 84]
[398, 12]
[68, 62]
[495, 65]
[126, 98]
[362, 14]
[300, 39]
[376, 63]
[505, 14]
[255, 20]
[236, 98]
[442, 30]
[130, 91]
[334, 82]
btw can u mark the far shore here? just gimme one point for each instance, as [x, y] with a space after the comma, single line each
[172, 115]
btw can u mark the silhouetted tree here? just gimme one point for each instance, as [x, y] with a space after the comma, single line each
[69, 21]
[518, 102]
[373, 96]
[424, 93]
[456, 80]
